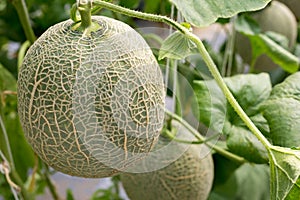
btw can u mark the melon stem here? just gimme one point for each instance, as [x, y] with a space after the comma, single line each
[86, 25]
[84, 8]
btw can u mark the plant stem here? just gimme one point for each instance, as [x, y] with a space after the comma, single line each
[50, 184]
[20, 183]
[201, 138]
[186, 125]
[173, 137]
[228, 55]
[84, 8]
[22, 11]
[6, 149]
[86, 25]
[229, 96]
[137, 14]
[231, 48]
[205, 55]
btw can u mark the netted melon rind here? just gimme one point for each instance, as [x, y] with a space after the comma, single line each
[91, 106]
[190, 177]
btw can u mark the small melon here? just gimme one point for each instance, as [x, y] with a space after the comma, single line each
[188, 178]
[91, 104]
[276, 17]
[294, 5]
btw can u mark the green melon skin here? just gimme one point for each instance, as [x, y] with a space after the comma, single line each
[276, 17]
[91, 105]
[188, 178]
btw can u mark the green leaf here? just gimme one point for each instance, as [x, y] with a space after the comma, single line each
[254, 182]
[250, 91]
[278, 38]
[7, 81]
[247, 181]
[204, 13]
[212, 104]
[246, 25]
[5, 188]
[242, 142]
[177, 46]
[263, 44]
[282, 111]
[152, 6]
[223, 169]
[295, 191]
[110, 193]
[285, 173]
[132, 4]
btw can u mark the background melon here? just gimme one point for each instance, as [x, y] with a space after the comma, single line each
[294, 5]
[276, 17]
[91, 105]
[190, 177]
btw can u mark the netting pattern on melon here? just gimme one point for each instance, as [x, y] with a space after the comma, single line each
[190, 177]
[165, 152]
[91, 106]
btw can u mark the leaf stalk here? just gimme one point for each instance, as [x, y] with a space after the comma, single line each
[22, 11]
[201, 138]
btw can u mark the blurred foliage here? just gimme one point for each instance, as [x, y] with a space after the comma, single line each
[45, 13]
[22, 154]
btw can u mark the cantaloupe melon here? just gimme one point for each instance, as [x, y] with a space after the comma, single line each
[91, 104]
[188, 178]
[294, 6]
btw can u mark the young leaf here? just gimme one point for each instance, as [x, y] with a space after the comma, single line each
[282, 111]
[177, 46]
[204, 13]
[285, 173]
[250, 91]
[262, 44]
